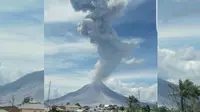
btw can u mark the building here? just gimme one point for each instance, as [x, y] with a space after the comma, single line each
[71, 108]
[32, 107]
[2, 110]
[197, 107]
[80, 110]
[10, 108]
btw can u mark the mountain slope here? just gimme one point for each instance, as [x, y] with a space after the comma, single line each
[92, 95]
[29, 85]
[164, 91]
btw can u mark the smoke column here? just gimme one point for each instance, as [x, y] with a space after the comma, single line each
[97, 26]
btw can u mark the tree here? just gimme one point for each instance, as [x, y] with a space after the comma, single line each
[162, 109]
[122, 108]
[148, 109]
[155, 108]
[195, 93]
[85, 111]
[184, 92]
[101, 105]
[77, 104]
[132, 102]
[53, 109]
[12, 101]
[26, 100]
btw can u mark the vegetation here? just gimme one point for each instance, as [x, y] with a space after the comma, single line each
[77, 104]
[27, 100]
[122, 108]
[185, 96]
[162, 109]
[53, 109]
[133, 103]
[146, 109]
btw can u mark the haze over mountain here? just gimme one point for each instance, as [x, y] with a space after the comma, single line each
[164, 93]
[31, 84]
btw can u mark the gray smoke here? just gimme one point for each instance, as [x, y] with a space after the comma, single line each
[97, 26]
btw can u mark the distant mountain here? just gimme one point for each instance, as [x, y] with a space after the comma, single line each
[91, 95]
[164, 91]
[31, 84]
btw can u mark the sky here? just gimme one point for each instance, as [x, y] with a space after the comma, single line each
[21, 38]
[70, 58]
[179, 40]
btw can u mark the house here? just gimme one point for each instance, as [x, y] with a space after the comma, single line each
[31, 107]
[80, 110]
[10, 108]
[60, 109]
[2, 110]
[197, 107]
[71, 107]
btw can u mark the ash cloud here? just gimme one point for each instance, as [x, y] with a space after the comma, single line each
[97, 26]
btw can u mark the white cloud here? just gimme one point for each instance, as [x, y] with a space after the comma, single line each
[132, 61]
[175, 65]
[32, 32]
[21, 51]
[61, 10]
[70, 47]
[14, 69]
[147, 93]
[174, 31]
[58, 64]
[22, 41]
[11, 75]
[189, 54]
[138, 75]
[14, 6]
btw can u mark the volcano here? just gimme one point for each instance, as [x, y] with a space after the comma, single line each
[29, 85]
[91, 95]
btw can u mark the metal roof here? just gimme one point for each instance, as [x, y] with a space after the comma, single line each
[75, 106]
[2, 110]
[32, 106]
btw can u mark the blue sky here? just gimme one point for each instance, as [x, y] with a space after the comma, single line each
[70, 58]
[179, 39]
[21, 38]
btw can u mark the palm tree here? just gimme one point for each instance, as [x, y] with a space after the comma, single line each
[132, 100]
[195, 93]
[183, 91]
[186, 90]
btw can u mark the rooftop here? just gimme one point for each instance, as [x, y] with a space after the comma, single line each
[2, 110]
[32, 106]
[75, 106]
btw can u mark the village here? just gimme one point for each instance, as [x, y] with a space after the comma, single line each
[30, 105]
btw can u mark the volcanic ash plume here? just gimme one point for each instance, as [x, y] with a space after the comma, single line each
[97, 26]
